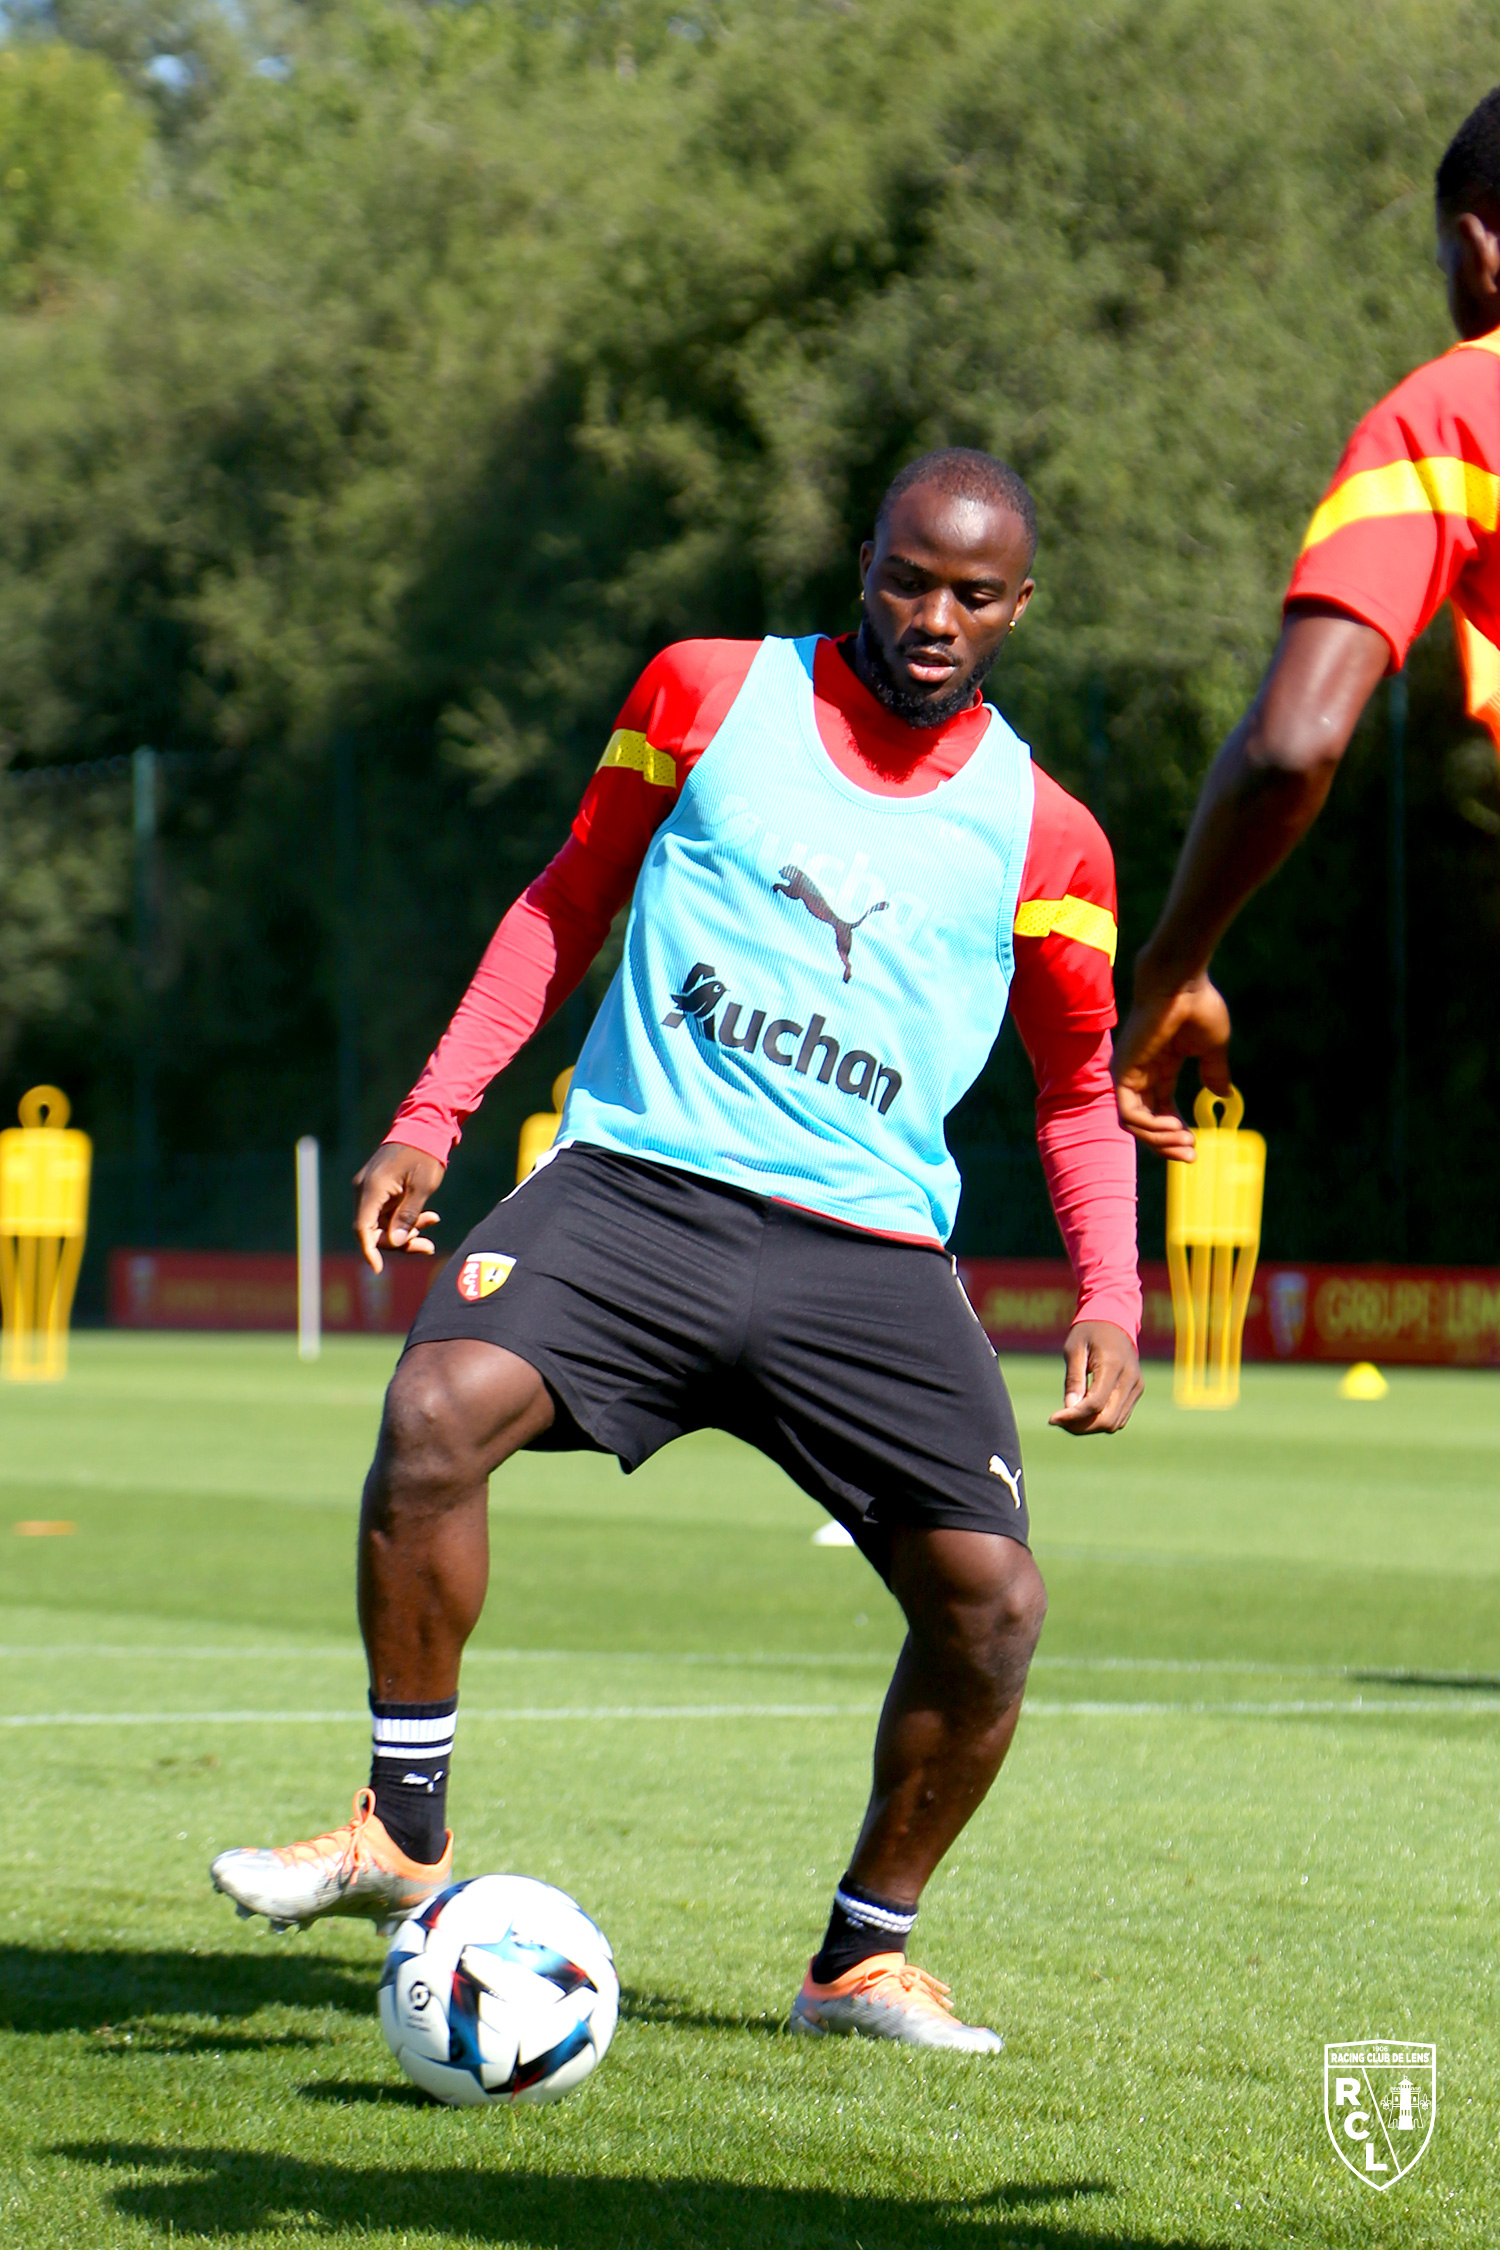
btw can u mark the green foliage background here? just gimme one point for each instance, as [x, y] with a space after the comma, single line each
[386, 383]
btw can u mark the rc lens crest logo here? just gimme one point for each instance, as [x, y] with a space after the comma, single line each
[1380, 2105]
[481, 1275]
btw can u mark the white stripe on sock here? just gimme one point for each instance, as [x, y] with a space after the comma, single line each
[415, 1733]
[868, 1917]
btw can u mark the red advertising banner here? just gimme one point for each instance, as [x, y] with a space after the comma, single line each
[1433, 1316]
[240, 1289]
[1427, 1316]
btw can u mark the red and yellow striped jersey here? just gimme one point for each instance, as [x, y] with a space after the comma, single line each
[1410, 518]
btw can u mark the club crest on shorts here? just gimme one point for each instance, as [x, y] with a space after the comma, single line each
[1380, 2105]
[482, 1274]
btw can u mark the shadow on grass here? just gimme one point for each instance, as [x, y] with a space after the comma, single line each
[58, 1988]
[144, 2036]
[1463, 1683]
[665, 2007]
[360, 2093]
[209, 2192]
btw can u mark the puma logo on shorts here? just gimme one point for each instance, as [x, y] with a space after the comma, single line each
[1011, 1477]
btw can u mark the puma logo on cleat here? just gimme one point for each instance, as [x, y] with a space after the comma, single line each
[794, 884]
[1006, 1476]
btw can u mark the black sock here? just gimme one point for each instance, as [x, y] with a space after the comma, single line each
[861, 1924]
[409, 1774]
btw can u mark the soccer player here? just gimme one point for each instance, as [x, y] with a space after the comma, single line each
[1408, 523]
[843, 867]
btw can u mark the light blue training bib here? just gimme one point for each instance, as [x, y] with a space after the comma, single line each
[813, 975]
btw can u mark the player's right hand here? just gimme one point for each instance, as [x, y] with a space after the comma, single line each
[1164, 1027]
[393, 1191]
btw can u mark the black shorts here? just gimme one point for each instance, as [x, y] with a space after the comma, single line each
[653, 1302]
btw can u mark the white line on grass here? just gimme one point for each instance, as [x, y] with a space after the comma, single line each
[1305, 1707]
[340, 1718]
[1301, 1708]
[350, 1652]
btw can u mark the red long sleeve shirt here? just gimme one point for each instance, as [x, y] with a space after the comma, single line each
[1062, 994]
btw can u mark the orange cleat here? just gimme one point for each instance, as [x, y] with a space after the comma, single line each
[355, 1869]
[886, 1997]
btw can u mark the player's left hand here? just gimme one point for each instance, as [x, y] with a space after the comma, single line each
[1101, 1380]
[1164, 1028]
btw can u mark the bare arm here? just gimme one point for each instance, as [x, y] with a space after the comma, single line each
[1263, 793]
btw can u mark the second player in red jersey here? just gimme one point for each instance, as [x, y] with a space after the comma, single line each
[1408, 523]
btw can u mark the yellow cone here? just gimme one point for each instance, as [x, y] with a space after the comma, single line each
[539, 1131]
[44, 1200]
[1363, 1381]
[1213, 1240]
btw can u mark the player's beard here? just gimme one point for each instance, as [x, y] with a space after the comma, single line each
[906, 703]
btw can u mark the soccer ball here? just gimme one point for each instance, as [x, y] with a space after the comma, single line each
[499, 1990]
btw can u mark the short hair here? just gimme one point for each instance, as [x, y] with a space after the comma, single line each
[964, 473]
[1471, 161]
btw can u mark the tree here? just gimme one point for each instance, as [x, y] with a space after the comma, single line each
[446, 373]
[71, 148]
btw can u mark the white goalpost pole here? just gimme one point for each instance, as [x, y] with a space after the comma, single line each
[309, 1252]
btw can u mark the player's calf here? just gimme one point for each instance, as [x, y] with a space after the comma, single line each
[974, 1605]
[453, 1411]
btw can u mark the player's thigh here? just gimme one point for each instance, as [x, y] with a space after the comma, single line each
[461, 1407]
[617, 1282]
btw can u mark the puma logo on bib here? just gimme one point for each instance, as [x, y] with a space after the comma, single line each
[794, 884]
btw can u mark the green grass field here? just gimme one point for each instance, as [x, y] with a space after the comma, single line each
[1251, 1809]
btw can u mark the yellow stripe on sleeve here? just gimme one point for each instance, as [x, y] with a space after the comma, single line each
[640, 756]
[1069, 917]
[1439, 485]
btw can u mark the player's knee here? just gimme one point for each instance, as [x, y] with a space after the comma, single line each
[999, 1635]
[422, 1446]
[973, 1600]
[1022, 1608]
